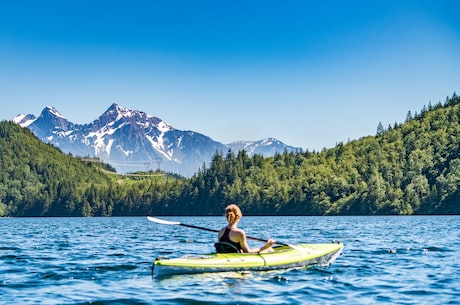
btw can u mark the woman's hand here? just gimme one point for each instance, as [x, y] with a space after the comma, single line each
[268, 245]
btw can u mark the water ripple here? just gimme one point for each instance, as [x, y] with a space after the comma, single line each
[82, 261]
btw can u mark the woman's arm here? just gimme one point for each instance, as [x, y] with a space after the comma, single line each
[245, 246]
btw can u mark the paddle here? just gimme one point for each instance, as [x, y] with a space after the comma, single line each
[166, 222]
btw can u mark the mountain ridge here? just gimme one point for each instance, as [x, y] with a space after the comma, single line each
[132, 140]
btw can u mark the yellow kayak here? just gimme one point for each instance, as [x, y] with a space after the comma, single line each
[289, 256]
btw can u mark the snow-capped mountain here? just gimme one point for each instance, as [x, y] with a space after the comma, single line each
[132, 140]
[267, 147]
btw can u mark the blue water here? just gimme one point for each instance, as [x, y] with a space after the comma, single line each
[387, 260]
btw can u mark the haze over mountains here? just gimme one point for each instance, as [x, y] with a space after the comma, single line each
[132, 140]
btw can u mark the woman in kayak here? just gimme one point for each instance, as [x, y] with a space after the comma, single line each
[237, 237]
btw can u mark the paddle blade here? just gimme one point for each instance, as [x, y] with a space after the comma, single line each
[162, 221]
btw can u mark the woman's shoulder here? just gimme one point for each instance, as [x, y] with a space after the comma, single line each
[239, 231]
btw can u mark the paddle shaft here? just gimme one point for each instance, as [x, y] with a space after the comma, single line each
[205, 229]
[217, 231]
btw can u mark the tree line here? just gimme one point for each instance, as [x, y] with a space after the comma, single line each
[408, 168]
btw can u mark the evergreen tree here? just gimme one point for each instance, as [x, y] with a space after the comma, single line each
[380, 129]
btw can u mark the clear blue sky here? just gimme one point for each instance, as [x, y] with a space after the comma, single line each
[309, 73]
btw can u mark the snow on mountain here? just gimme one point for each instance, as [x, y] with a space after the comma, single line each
[132, 140]
[24, 120]
[266, 147]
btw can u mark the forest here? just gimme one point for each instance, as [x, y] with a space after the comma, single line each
[405, 169]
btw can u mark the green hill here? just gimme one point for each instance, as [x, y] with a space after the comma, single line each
[409, 168]
[37, 179]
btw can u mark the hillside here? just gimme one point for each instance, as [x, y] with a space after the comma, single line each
[37, 179]
[409, 168]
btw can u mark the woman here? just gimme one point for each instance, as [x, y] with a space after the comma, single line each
[237, 237]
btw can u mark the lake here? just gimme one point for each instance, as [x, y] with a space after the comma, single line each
[386, 260]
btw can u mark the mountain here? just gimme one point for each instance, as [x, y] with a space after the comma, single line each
[267, 147]
[131, 140]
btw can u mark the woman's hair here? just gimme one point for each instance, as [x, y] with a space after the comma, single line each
[233, 213]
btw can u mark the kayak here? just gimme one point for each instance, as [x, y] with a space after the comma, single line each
[283, 257]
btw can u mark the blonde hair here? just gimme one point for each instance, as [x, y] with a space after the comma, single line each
[233, 213]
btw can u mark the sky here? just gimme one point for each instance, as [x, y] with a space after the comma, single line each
[308, 73]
